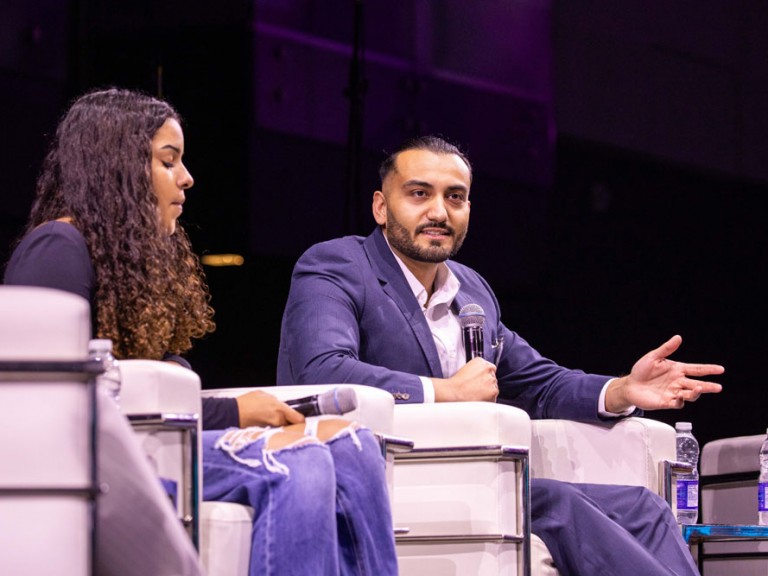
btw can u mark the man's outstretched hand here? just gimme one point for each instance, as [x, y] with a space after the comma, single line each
[656, 382]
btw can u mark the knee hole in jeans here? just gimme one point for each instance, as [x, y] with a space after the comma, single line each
[327, 429]
[284, 439]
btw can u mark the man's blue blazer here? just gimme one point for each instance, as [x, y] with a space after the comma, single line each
[351, 317]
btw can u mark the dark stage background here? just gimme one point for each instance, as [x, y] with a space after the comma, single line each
[621, 164]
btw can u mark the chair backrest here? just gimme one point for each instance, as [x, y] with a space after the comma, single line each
[45, 442]
[733, 500]
[43, 324]
[462, 493]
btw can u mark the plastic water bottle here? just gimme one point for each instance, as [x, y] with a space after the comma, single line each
[688, 484]
[762, 487]
[110, 380]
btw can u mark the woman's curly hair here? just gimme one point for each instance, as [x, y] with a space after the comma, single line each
[151, 296]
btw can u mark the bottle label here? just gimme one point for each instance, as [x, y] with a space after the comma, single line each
[687, 494]
[762, 501]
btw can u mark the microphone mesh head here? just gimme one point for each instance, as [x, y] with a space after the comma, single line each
[337, 401]
[471, 316]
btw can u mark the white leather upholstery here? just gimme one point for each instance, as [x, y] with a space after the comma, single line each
[167, 390]
[459, 498]
[732, 503]
[139, 533]
[625, 452]
[155, 387]
[45, 443]
[732, 455]
[225, 544]
[454, 424]
[44, 324]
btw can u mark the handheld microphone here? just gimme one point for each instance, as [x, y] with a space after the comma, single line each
[471, 318]
[336, 401]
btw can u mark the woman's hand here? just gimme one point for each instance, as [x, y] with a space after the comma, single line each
[259, 408]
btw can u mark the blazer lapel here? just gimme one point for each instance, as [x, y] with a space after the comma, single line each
[394, 285]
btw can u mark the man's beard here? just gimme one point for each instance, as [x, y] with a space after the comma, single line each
[400, 239]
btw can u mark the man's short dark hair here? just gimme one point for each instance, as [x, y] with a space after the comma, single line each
[434, 144]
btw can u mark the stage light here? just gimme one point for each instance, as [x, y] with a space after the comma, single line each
[222, 260]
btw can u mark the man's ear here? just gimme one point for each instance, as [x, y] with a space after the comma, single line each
[379, 208]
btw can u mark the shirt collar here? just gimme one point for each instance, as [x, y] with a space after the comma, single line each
[446, 283]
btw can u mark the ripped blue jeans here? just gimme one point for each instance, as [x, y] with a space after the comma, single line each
[320, 509]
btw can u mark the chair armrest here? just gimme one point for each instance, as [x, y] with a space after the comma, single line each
[461, 424]
[628, 451]
[162, 401]
[462, 495]
[374, 406]
[152, 387]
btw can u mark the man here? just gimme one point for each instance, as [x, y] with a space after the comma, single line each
[382, 311]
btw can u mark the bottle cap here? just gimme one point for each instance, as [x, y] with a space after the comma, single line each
[100, 344]
[683, 426]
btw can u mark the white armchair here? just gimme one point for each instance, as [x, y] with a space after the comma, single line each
[162, 402]
[69, 457]
[633, 451]
[460, 497]
[456, 497]
[46, 487]
[455, 503]
[445, 504]
[729, 476]
[630, 451]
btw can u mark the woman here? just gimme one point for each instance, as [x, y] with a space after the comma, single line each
[104, 225]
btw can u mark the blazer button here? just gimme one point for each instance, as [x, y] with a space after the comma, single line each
[401, 395]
